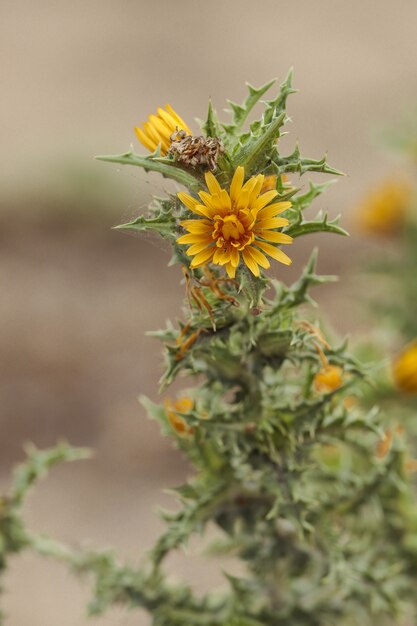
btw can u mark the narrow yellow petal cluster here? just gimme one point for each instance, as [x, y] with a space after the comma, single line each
[384, 210]
[329, 378]
[234, 225]
[159, 128]
[183, 405]
[404, 369]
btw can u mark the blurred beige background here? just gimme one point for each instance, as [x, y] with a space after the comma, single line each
[76, 297]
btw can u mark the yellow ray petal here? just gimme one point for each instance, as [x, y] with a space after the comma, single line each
[251, 264]
[274, 209]
[168, 119]
[207, 198]
[234, 257]
[237, 182]
[145, 140]
[231, 271]
[194, 205]
[212, 184]
[179, 121]
[258, 257]
[243, 199]
[257, 189]
[152, 132]
[193, 238]
[271, 235]
[282, 222]
[275, 253]
[160, 127]
[273, 222]
[197, 226]
[198, 247]
[265, 199]
[221, 256]
[203, 257]
[188, 200]
[218, 204]
[202, 209]
[225, 200]
[250, 184]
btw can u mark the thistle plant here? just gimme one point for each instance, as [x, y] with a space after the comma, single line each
[289, 469]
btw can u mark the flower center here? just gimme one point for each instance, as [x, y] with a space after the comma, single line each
[230, 230]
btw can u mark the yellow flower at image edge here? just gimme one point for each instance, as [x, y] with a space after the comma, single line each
[235, 224]
[404, 369]
[159, 128]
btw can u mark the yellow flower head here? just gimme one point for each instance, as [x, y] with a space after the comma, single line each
[159, 128]
[404, 369]
[183, 405]
[384, 210]
[329, 378]
[234, 224]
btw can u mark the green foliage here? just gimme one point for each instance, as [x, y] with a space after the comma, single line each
[13, 535]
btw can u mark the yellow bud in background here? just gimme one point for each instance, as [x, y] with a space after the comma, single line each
[329, 378]
[404, 369]
[384, 209]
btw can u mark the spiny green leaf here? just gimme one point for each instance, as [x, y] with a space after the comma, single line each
[303, 201]
[241, 111]
[274, 107]
[320, 225]
[211, 126]
[298, 293]
[166, 167]
[252, 154]
[164, 224]
[295, 163]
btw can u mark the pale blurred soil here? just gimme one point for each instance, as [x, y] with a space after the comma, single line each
[77, 298]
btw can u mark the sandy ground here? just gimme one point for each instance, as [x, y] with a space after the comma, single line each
[77, 298]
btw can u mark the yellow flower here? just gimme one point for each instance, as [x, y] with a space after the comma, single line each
[384, 210]
[183, 405]
[404, 369]
[329, 378]
[270, 182]
[159, 128]
[234, 224]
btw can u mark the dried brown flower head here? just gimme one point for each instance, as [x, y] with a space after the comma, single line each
[193, 151]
